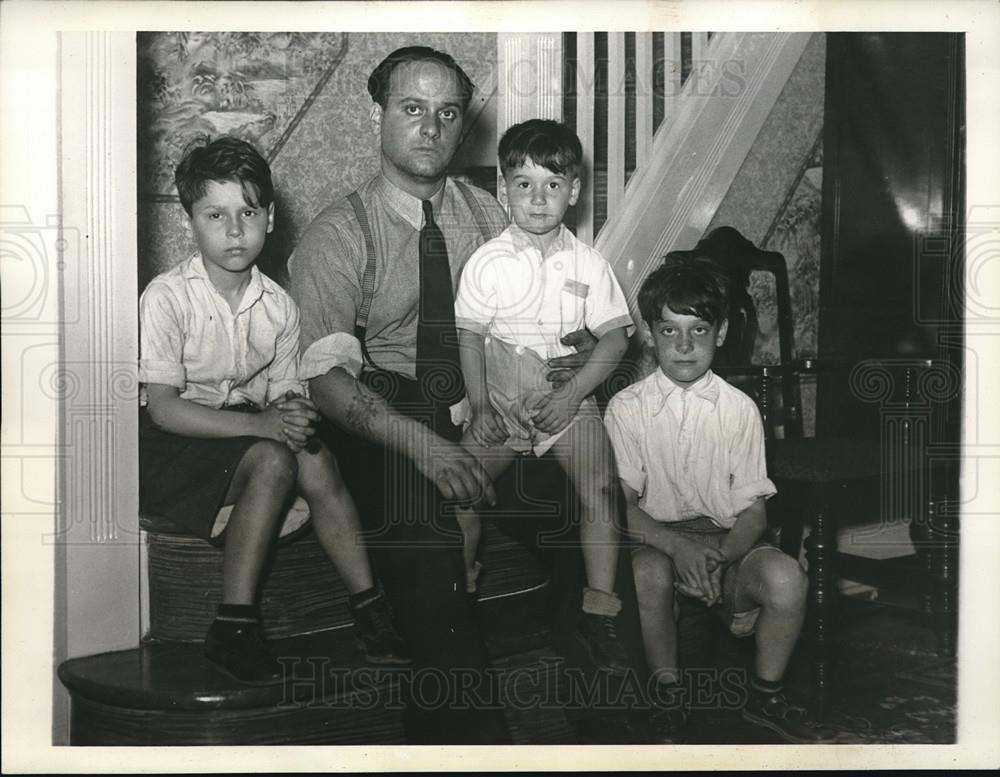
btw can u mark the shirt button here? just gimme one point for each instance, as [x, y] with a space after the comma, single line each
[519, 350]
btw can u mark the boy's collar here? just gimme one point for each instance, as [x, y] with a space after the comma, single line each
[405, 204]
[706, 387]
[522, 240]
[195, 268]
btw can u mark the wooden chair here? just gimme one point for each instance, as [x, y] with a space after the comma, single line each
[828, 482]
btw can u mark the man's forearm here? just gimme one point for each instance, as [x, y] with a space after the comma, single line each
[346, 401]
[603, 359]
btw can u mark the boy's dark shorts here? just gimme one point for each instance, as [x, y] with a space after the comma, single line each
[183, 481]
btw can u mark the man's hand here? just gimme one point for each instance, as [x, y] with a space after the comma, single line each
[699, 568]
[457, 474]
[556, 409]
[562, 367]
[487, 427]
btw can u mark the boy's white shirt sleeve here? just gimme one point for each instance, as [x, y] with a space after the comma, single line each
[620, 421]
[606, 306]
[161, 338]
[476, 301]
[283, 373]
[749, 467]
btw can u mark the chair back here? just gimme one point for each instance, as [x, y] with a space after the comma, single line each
[739, 257]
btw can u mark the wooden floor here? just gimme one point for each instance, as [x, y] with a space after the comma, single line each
[889, 687]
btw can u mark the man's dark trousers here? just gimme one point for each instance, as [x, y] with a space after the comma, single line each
[416, 550]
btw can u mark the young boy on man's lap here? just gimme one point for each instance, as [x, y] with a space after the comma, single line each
[520, 294]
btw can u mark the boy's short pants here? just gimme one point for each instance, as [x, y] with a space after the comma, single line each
[743, 623]
[183, 481]
[515, 379]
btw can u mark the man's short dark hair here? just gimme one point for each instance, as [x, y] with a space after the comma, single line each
[544, 142]
[221, 160]
[378, 81]
[688, 283]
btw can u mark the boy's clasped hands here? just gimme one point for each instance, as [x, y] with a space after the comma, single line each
[699, 567]
[292, 419]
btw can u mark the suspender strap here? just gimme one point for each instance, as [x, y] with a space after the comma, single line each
[476, 208]
[368, 280]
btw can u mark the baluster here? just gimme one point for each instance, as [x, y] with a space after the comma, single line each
[643, 97]
[699, 48]
[671, 75]
[616, 123]
[586, 87]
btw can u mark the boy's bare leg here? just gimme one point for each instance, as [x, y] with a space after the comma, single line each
[654, 590]
[335, 518]
[585, 455]
[260, 488]
[472, 530]
[495, 461]
[775, 582]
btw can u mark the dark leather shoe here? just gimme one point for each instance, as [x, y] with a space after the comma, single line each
[240, 650]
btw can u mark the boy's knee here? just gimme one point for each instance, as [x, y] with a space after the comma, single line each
[318, 470]
[783, 583]
[273, 461]
[653, 572]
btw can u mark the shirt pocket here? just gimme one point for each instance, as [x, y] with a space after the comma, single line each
[572, 306]
[576, 288]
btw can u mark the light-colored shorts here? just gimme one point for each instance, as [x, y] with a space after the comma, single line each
[743, 623]
[515, 379]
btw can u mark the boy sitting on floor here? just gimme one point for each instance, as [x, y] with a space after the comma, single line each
[225, 420]
[690, 455]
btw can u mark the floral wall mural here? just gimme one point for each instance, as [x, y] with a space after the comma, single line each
[300, 98]
[247, 84]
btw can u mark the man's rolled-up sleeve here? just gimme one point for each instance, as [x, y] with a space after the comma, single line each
[326, 286]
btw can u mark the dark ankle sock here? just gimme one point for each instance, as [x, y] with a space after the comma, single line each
[362, 598]
[668, 694]
[766, 687]
[239, 613]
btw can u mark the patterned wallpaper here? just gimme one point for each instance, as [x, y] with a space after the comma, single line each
[775, 201]
[301, 98]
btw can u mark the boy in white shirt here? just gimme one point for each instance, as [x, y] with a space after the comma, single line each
[690, 454]
[519, 295]
[225, 420]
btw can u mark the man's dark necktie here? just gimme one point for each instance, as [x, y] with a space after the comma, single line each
[439, 371]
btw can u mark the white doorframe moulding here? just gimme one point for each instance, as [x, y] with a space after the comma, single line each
[96, 538]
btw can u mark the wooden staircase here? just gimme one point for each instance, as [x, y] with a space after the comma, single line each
[164, 692]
